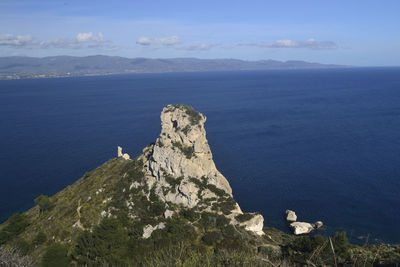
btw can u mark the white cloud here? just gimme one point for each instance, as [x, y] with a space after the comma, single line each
[198, 46]
[286, 43]
[144, 41]
[16, 41]
[81, 40]
[175, 42]
[84, 37]
[158, 42]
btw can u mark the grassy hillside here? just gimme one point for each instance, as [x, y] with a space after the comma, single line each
[89, 223]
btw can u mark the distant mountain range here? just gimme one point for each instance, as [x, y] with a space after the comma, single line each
[61, 66]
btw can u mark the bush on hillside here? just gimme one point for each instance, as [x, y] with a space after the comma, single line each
[44, 203]
[56, 255]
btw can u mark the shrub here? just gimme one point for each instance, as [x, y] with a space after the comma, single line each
[211, 238]
[86, 175]
[188, 151]
[341, 245]
[44, 203]
[304, 247]
[22, 246]
[226, 205]
[219, 192]
[194, 116]
[40, 238]
[107, 243]
[157, 208]
[186, 129]
[55, 255]
[173, 182]
[16, 225]
[244, 217]
[190, 214]
[222, 221]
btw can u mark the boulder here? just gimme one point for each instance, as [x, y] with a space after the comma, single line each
[300, 228]
[168, 214]
[291, 216]
[255, 224]
[318, 224]
[148, 229]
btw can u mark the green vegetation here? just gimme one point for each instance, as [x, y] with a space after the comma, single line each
[107, 243]
[56, 255]
[40, 238]
[191, 237]
[22, 246]
[186, 129]
[86, 175]
[244, 217]
[193, 115]
[15, 226]
[173, 182]
[188, 151]
[44, 203]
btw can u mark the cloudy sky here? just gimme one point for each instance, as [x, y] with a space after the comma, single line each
[365, 33]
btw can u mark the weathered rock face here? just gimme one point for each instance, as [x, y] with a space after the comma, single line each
[182, 151]
[180, 169]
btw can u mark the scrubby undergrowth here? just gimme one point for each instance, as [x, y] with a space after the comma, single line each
[100, 219]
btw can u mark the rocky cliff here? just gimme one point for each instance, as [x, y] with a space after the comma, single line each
[180, 168]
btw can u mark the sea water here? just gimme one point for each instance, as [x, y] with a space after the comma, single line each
[324, 143]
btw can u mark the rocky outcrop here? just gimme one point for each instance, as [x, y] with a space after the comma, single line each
[291, 216]
[180, 169]
[148, 229]
[301, 228]
[122, 155]
[255, 224]
[182, 149]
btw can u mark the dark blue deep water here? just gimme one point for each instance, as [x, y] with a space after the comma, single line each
[325, 143]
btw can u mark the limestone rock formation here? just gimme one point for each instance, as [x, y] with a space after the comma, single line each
[180, 169]
[291, 216]
[301, 228]
[255, 224]
[148, 229]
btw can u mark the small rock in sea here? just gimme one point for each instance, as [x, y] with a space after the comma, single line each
[301, 227]
[318, 224]
[291, 216]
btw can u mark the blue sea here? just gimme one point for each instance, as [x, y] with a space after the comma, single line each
[325, 143]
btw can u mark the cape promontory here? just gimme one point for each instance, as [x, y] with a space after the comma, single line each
[168, 206]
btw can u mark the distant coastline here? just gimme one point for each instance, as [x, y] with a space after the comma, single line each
[67, 66]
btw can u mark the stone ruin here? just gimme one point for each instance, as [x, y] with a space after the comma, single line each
[122, 155]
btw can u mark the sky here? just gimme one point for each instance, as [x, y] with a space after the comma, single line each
[350, 32]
